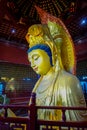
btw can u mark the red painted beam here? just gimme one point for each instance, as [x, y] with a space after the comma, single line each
[13, 54]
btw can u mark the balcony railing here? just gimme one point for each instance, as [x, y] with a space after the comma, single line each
[31, 122]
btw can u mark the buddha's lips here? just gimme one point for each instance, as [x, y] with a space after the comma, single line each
[35, 68]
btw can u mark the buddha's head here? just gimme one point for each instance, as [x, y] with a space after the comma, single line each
[57, 38]
[40, 57]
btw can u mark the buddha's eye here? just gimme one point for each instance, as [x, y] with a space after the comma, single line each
[36, 57]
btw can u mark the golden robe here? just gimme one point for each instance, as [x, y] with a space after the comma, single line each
[60, 89]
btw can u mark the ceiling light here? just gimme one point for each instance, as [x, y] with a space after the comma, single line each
[83, 21]
[13, 31]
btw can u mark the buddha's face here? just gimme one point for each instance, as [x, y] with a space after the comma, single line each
[40, 61]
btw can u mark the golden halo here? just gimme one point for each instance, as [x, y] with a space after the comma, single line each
[67, 49]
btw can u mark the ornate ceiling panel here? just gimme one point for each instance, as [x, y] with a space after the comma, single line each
[17, 15]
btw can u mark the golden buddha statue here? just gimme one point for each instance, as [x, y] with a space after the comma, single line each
[52, 56]
[57, 86]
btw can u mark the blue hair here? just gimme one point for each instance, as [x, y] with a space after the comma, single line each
[42, 47]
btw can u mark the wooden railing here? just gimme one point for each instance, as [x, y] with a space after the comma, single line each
[19, 100]
[33, 123]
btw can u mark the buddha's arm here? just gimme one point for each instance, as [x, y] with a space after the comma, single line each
[74, 93]
[69, 91]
